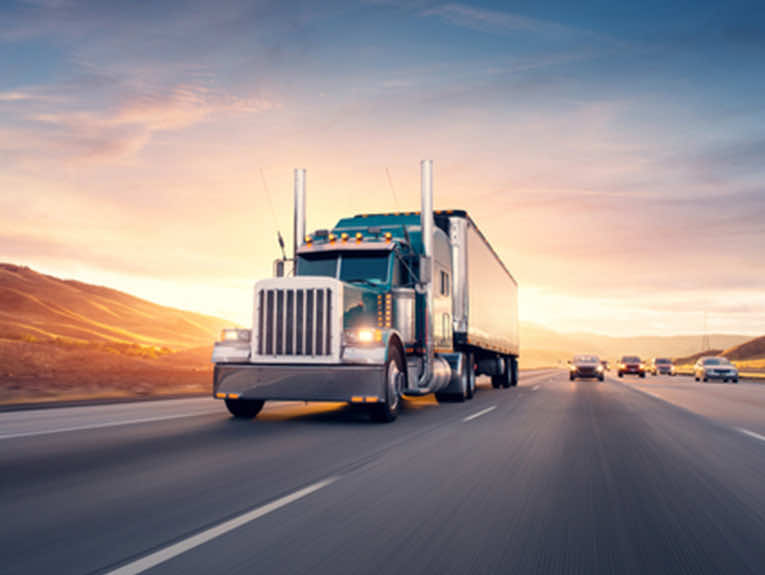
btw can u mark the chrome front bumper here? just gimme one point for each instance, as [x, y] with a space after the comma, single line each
[300, 382]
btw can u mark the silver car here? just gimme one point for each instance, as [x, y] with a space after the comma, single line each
[707, 368]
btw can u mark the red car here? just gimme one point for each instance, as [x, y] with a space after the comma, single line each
[631, 364]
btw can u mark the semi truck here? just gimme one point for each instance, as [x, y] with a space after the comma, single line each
[379, 307]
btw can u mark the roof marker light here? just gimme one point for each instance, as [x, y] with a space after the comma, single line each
[359, 237]
[344, 237]
[388, 237]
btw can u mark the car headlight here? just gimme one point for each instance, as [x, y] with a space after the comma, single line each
[235, 334]
[363, 336]
[599, 368]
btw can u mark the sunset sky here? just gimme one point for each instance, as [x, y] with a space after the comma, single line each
[613, 155]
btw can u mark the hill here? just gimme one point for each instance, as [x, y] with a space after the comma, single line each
[38, 307]
[64, 339]
[693, 358]
[536, 337]
[752, 349]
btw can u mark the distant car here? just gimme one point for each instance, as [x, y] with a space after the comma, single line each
[586, 366]
[662, 366]
[707, 368]
[631, 364]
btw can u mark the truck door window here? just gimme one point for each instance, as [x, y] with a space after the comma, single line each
[317, 265]
[444, 283]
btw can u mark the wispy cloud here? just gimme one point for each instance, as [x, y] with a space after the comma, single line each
[483, 19]
[15, 96]
[125, 129]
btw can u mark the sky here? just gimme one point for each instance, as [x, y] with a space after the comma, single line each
[613, 153]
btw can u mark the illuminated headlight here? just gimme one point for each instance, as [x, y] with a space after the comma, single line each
[599, 368]
[363, 336]
[235, 334]
[572, 367]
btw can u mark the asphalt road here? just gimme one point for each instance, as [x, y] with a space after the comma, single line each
[636, 476]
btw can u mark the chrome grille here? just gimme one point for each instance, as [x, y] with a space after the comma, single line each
[294, 322]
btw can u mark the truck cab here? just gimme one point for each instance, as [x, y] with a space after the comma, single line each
[369, 315]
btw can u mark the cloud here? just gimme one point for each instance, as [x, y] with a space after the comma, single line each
[485, 20]
[14, 96]
[125, 129]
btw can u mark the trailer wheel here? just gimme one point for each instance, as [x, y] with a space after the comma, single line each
[387, 411]
[504, 379]
[470, 364]
[513, 371]
[244, 408]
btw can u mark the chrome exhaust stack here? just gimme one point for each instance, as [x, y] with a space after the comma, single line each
[426, 265]
[436, 372]
[299, 231]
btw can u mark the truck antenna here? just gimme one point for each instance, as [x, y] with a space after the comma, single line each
[392, 189]
[273, 213]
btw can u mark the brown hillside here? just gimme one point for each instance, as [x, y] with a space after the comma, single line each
[753, 349]
[37, 307]
[690, 359]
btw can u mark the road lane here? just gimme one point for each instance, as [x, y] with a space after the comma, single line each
[574, 477]
[96, 497]
[740, 405]
[579, 477]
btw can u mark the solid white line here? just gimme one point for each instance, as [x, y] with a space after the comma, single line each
[176, 549]
[480, 413]
[100, 425]
[751, 433]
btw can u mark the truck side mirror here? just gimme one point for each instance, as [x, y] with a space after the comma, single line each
[283, 268]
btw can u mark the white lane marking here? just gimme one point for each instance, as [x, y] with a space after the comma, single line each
[535, 388]
[480, 413]
[208, 410]
[176, 549]
[100, 425]
[751, 433]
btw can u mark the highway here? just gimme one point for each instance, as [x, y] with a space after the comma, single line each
[655, 475]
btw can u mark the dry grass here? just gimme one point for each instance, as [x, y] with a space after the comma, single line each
[36, 371]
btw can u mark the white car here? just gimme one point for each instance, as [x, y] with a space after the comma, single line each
[707, 368]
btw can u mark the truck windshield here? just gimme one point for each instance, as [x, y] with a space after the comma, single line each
[354, 267]
[317, 265]
[365, 267]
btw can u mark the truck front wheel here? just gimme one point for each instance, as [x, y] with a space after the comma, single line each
[244, 408]
[388, 409]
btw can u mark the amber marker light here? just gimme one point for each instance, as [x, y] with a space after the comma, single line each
[359, 237]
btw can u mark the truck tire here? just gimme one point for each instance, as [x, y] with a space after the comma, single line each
[504, 379]
[387, 410]
[470, 364]
[513, 371]
[244, 408]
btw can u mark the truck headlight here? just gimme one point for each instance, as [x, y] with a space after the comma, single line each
[235, 334]
[363, 336]
[599, 368]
